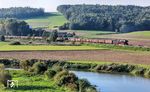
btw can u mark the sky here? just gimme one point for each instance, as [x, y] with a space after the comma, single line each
[51, 5]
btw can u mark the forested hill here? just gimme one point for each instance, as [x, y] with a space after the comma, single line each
[21, 12]
[109, 18]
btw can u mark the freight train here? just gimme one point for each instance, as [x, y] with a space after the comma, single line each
[101, 41]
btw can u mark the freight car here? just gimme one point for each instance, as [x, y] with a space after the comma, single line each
[101, 40]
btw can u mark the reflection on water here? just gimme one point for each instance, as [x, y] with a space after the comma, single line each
[115, 82]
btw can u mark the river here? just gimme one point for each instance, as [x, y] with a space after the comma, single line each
[115, 82]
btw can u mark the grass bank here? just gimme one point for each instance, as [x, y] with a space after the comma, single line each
[42, 76]
[4, 46]
[95, 66]
[36, 83]
[117, 47]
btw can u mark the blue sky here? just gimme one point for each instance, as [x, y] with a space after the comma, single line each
[50, 5]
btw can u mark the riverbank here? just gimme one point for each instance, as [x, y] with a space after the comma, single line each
[109, 67]
[34, 75]
[94, 66]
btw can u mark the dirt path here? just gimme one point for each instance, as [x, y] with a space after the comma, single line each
[98, 55]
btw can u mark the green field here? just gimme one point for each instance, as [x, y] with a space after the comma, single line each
[48, 21]
[132, 35]
[4, 46]
[36, 83]
[89, 33]
[141, 33]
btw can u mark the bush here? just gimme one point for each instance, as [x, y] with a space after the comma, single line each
[1, 67]
[57, 68]
[27, 63]
[49, 73]
[90, 89]
[67, 79]
[85, 86]
[15, 43]
[39, 68]
[4, 76]
[2, 38]
[139, 71]
[147, 73]
[60, 74]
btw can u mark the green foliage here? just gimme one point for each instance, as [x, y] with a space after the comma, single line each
[15, 43]
[2, 67]
[64, 78]
[57, 68]
[36, 83]
[53, 36]
[4, 76]
[60, 74]
[106, 17]
[2, 38]
[13, 27]
[38, 68]
[139, 71]
[147, 73]
[85, 86]
[67, 79]
[21, 12]
[49, 73]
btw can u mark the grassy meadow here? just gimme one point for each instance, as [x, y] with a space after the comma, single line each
[37, 83]
[4, 46]
[48, 21]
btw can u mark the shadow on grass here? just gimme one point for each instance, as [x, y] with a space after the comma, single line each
[31, 87]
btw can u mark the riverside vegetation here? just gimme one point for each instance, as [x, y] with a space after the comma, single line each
[134, 69]
[58, 78]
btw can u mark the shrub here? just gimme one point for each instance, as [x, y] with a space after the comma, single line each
[15, 43]
[147, 73]
[4, 76]
[2, 38]
[49, 73]
[39, 68]
[1, 67]
[139, 71]
[57, 68]
[67, 79]
[60, 74]
[90, 89]
[85, 86]
[27, 64]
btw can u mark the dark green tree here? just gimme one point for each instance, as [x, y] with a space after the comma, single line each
[53, 36]
[2, 38]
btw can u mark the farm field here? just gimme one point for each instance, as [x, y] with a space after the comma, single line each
[48, 21]
[86, 55]
[6, 47]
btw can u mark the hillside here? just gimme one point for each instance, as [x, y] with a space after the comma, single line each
[48, 20]
[116, 18]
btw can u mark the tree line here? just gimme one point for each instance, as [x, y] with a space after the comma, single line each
[105, 17]
[13, 27]
[21, 12]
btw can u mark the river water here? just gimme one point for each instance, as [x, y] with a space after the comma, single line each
[116, 82]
